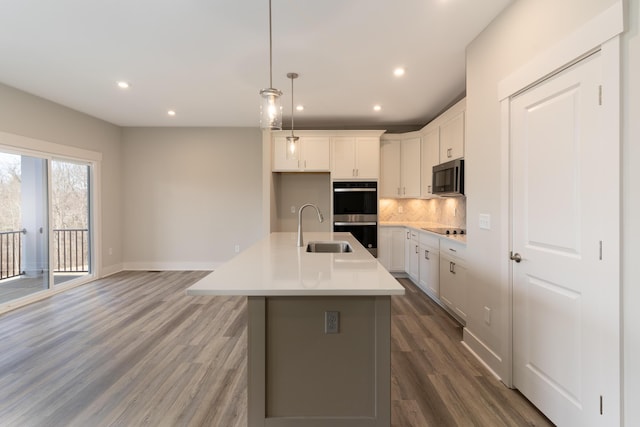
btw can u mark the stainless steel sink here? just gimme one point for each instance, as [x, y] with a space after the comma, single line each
[329, 247]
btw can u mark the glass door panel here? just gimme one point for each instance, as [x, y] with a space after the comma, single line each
[24, 246]
[70, 220]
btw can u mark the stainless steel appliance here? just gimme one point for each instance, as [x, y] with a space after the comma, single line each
[448, 178]
[355, 210]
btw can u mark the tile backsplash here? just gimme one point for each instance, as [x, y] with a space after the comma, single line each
[448, 211]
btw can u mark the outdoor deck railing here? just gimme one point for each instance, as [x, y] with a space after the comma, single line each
[10, 253]
[71, 250]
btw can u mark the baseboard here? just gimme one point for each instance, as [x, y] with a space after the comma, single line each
[171, 266]
[484, 354]
[110, 270]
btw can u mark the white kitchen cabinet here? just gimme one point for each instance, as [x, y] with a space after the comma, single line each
[452, 133]
[429, 275]
[400, 167]
[453, 278]
[355, 157]
[430, 156]
[412, 254]
[313, 155]
[391, 248]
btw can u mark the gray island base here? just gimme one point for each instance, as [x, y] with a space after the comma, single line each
[300, 373]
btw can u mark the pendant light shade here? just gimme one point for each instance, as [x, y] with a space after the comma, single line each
[292, 141]
[270, 108]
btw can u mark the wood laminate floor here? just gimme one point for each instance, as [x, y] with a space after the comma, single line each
[134, 350]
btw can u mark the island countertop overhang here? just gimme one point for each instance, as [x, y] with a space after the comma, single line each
[275, 266]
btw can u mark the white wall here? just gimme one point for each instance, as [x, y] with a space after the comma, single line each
[631, 213]
[524, 30]
[27, 115]
[190, 195]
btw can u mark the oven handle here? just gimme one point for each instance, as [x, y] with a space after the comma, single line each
[354, 190]
[354, 223]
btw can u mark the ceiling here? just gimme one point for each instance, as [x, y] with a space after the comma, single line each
[208, 60]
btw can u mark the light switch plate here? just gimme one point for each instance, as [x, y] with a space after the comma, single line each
[484, 221]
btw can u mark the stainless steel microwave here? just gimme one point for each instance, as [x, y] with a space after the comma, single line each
[448, 178]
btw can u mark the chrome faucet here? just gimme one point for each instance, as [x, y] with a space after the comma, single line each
[320, 219]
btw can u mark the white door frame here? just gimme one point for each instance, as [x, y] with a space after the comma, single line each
[52, 151]
[601, 33]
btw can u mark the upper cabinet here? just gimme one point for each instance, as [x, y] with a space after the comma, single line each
[355, 157]
[400, 166]
[407, 160]
[451, 124]
[347, 154]
[430, 156]
[310, 155]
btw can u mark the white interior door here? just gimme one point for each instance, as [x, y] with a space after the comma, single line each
[560, 292]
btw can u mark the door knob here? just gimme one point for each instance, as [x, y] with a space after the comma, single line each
[515, 257]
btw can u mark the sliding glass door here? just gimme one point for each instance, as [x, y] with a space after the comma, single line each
[70, 219]
[45, 226]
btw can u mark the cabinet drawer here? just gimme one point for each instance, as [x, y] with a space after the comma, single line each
[429, 239]
[452, 248]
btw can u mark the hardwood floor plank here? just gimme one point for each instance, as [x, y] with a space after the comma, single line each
[133, 349]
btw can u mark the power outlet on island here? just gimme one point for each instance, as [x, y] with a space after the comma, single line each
[331, 322]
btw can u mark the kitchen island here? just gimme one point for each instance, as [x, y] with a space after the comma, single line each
[319, 331]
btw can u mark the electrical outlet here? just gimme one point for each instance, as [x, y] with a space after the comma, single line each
[237, 248]
[400, 209]
[484, 221]
[487, 315]
[293, 209]
[110, 251]
[331, 322]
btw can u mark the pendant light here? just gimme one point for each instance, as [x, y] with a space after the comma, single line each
[270, 108]
[292, 141]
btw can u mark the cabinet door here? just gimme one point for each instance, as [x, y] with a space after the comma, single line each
[430, 270]
[452, 138]
[344, 158]
[447, 283]
[430, 158]
[315, 153]
[367, 158]
[397, 249]
[283, 159]
[460, 273]
[384, 247]
[453, 282]
[390, 168]
[408, 250]
[410, 167]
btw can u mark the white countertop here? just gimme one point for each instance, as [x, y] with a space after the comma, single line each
[275, 266]
[420, 226]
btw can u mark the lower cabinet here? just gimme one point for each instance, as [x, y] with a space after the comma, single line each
[429, 274]
[391, 248]
[412, 254]
[453, 279]
[436, 265]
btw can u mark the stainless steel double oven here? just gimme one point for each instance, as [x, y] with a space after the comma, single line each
[355, 210]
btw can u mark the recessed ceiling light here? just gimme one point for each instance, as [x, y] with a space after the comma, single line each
[124, 85]
[171, 112]
[398, 72]
[299, 107]
[377, 108]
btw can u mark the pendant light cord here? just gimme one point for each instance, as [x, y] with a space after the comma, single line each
[270, 51]
[292, 105]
